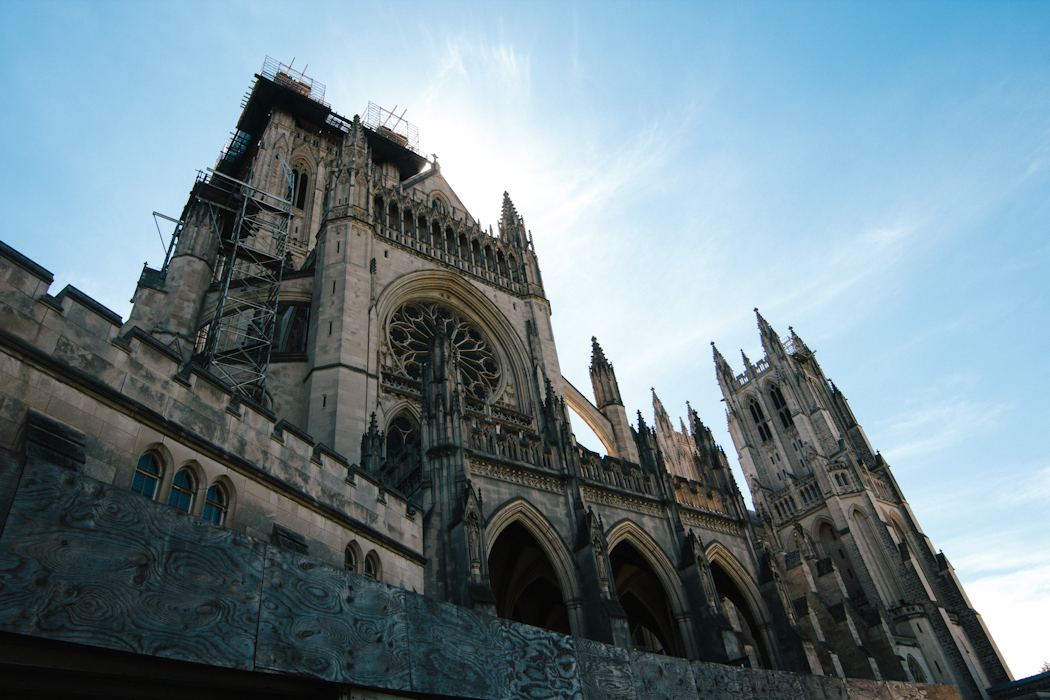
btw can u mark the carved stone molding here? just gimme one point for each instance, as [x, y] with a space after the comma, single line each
[516, 476]
[625, 502]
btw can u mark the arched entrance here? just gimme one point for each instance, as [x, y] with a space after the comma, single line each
[736, 607]
[524, 582]
[642, 597]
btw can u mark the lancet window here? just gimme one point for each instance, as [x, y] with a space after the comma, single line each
[760, 420]
[781, 407]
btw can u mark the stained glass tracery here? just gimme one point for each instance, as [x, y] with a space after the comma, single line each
[415, 323]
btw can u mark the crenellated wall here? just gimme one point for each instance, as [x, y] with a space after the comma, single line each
[64, 357]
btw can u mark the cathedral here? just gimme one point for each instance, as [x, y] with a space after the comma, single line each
[330, 454]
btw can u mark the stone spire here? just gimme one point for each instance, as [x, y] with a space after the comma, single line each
[603, 378]
[511, 225]
[770, 340]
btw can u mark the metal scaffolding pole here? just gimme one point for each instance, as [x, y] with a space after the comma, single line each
[240, 334]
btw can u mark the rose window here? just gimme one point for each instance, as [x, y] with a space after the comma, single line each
[415, 323]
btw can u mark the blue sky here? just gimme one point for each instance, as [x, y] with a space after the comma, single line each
[875, 175]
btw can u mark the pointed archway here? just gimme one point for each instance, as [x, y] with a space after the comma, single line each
[737, 608]
[642, 596]
[524, 581]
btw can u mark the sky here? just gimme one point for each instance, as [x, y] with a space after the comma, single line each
[874, 175]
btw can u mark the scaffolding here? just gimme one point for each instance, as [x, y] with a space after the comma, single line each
[252, 227]
[392, 127]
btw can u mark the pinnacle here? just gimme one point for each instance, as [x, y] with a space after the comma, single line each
[510, 214]
[597, 356]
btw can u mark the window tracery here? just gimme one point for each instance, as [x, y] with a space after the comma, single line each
[413, 325]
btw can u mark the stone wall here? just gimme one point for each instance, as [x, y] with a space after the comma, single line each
[64, 356]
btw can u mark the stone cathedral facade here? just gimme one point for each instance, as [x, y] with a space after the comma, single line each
[338, 364]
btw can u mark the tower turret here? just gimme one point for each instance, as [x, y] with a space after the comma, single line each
[607, 398]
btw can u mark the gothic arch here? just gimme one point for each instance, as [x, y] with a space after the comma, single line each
[816, 530]
[629, 531]
[452, 290]
[883, 574]
[717, 553]
[724, 563]
[656, 609]
[521, 511]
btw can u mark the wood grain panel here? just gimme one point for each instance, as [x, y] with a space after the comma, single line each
[332, 624]
[718, 682]
[455, 651]
[605, 671]
[539, 664]
[84, 562]
[657, 676]
[775, 685]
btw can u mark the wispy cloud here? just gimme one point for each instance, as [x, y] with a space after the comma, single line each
[934, 427]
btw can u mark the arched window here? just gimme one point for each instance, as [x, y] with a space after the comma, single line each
[301, 182]
[182, 490]
[781, 407]
[147, 474]
[401, 469]
[372, 566]
[349, 559]
[760, 420]
[216, 502]
[916, 670]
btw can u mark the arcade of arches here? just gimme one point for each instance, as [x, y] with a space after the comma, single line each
[526, 589]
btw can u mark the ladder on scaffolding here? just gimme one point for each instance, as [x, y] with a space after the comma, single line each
[252, 251]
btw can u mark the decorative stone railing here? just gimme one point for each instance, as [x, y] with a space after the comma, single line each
[460, 243]
[876, 484]
[697, 496]
[614, 472]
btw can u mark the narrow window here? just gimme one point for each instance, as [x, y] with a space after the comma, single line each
[337, 246]
[349, 559]
[333, 286]
[182, 489]
[147, 474]
[372, 566]
[301, 188]
[781, 407]
[215, 504]
[324, 400]
[329, 328]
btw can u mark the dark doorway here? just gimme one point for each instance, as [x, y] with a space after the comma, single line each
[729, 591]
[524, 582]
[643, 598]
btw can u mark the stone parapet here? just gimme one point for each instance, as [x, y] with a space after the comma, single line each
[64, 357]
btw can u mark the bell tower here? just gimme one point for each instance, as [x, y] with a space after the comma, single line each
[841, 531]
